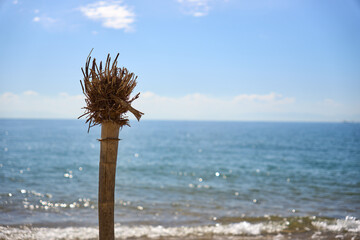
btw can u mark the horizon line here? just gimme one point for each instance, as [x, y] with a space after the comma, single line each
[193, 120]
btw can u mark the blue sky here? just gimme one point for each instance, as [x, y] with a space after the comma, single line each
[263, 60]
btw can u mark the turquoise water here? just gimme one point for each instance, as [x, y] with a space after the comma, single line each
[226, 178]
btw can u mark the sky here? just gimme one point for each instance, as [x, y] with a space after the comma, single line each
[234, 60]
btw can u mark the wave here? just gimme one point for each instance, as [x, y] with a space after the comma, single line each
[349, 225]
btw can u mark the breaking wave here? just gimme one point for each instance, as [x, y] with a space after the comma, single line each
[244, 228]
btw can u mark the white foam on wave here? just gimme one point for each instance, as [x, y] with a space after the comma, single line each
[349, 224]
[124, 232]
[8, 233]
[242, 228]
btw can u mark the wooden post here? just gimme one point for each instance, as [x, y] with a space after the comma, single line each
[107, 171]
[107, 93]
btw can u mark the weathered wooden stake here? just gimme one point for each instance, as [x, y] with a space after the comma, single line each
[107, 172]
[107, 96]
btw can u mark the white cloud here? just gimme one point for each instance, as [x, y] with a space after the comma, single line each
[36, 11]
[199, 8]
[329, 103]
[8, 96]
[45, 21]
[30, 104]
[329, 106]
[248, 107]
[196, 8]
[112, 14]
[15, 2]
[199, 14]
[274, 98]
[202, 107]
[30, 93]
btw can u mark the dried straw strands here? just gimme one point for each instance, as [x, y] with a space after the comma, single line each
[107, 93]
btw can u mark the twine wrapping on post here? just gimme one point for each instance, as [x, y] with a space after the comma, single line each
[109, 139]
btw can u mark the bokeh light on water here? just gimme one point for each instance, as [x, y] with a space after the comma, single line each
[177, 174]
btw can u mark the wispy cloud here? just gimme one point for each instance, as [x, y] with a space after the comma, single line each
[44, 20]
[202, 107]
[31, 104]
[273, 98]
[260, 107]
[329, 103]
[113, 14]
[196, 8]
[30, 93]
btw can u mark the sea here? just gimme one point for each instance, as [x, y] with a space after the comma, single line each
[183, 180]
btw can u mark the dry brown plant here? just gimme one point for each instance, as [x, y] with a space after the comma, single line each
[107, 93]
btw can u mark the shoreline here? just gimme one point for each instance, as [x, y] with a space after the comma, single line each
[288, 228]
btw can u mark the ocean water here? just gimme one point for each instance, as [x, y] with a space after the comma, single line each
[183, 180]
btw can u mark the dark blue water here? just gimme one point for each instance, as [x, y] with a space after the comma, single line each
[178, 173]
